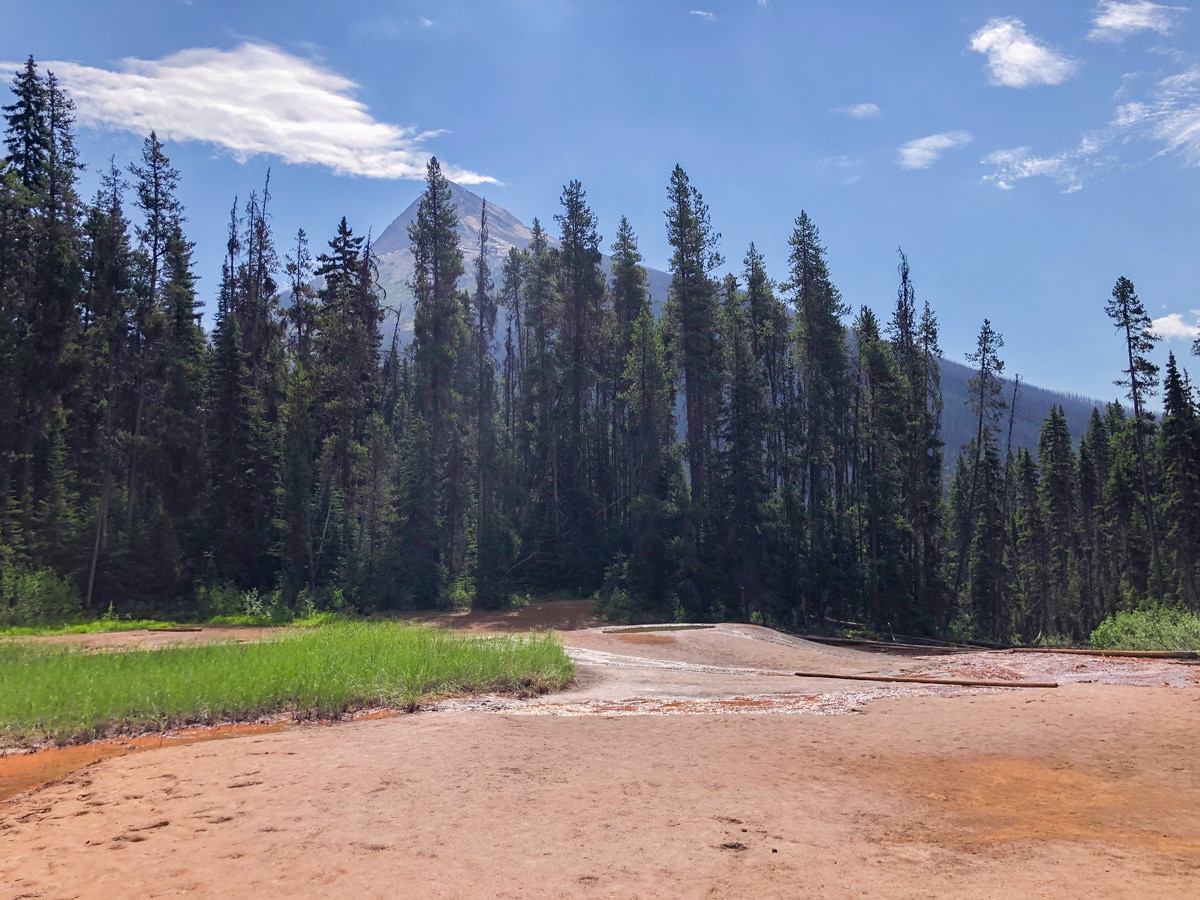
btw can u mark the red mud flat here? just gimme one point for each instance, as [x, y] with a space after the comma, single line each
[670, 771]
[21, 772]
[157, 638]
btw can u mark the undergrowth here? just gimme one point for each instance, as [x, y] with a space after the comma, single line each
[112, 623]
[1153, 628]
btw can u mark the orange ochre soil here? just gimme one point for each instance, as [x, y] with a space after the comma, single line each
[682, 764]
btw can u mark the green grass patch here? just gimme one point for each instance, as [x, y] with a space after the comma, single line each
[268, 621]
[107, 624]
[65, 695]
[93, 626]
[1154, 628]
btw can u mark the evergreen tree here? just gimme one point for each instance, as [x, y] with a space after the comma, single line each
[246, 384]
[1133, 322]
[769, 334]
[883, 535]
[1127, 546]
[167, 362]
[541, 519]
[155, 184]
[629, 298]
[742, 479]
[824, 389]
[298, 434]
[984, 398]
[987, 589]
[40, 273]
[1093, 453]
[16, 263]
[178, 421]
[1032, 569]
[586, 479]
[353, 452]
[1059, 503]
[511, 289]
[104, 345]
[1180, 503]
[646, 391]
[493, 533]
[440, 330]
[693, 311]
[984, 535]
[915, 349]
[236, 447]
[27, 137]
[928, 522]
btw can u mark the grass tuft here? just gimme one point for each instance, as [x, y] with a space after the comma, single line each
[66, 695]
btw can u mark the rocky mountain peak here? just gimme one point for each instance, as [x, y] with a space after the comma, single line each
[504, 229]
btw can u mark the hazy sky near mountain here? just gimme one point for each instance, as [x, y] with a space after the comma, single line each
[1023, 153]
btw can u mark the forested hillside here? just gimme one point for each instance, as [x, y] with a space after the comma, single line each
[1028, 415]
[526, 438]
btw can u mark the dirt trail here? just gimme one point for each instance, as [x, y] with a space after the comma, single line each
[642, 781]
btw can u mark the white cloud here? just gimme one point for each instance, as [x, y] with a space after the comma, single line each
[1168, 114]
[1113, 20]
[1016, 59]
[924, 152]
[862, 111]
[425, 23]
[703, 14]
[254, 99]
[1171, 327]
[1011, 166]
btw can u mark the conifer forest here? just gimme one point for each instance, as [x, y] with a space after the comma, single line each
[752, 451]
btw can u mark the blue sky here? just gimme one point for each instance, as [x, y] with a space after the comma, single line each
[1024, 154]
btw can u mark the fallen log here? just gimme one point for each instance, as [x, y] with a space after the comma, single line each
[917, 679]
[1130, 654]
[891, 646]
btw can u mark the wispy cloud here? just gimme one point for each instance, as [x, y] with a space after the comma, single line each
[425, 23]
[703, 14]
[1113, 20]
[1016, 59]
[924, 152]
[1172, 115]
[1065, 168]
[846, 169]
[254, 99]
[861, 110]
[1171, 327]
[1168, 115]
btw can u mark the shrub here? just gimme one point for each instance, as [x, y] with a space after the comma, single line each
[220, 600]
[39, 597]
[1151, 628]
